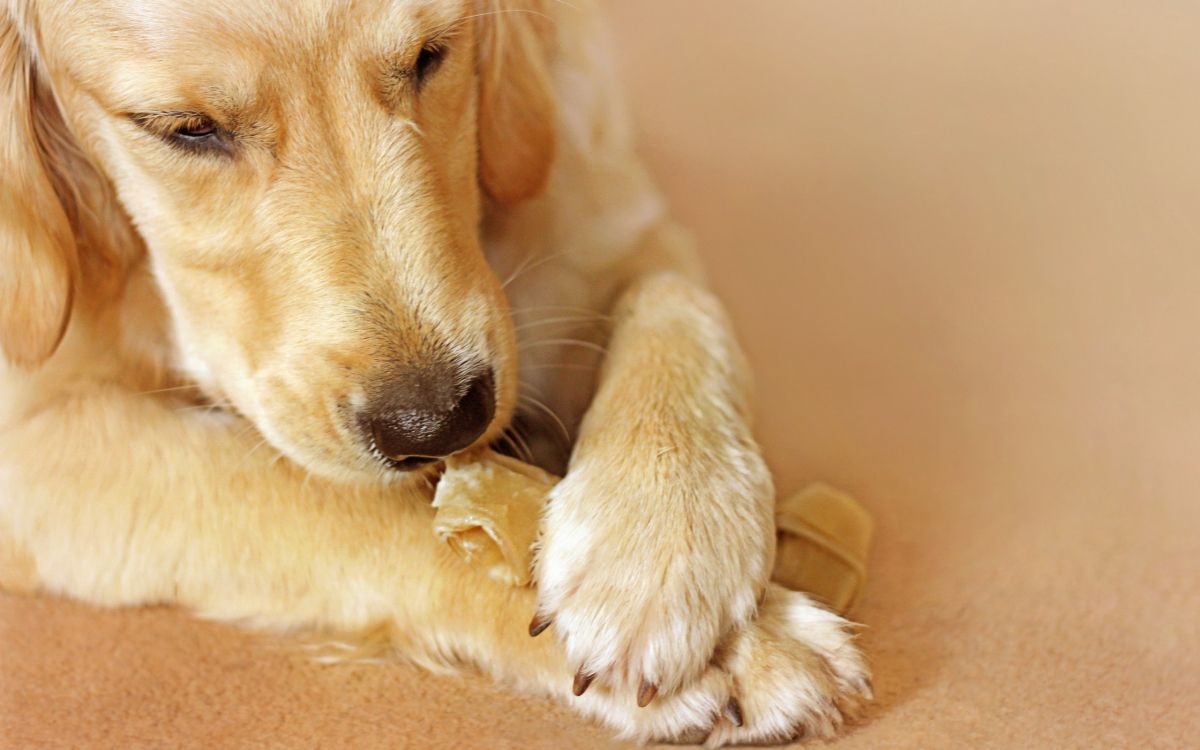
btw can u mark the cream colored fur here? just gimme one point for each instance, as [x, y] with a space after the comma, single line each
[184, 334]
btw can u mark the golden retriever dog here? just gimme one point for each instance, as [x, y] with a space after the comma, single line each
[265, 262]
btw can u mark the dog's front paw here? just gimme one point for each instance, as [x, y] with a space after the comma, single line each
[792, 671]
[645, 565]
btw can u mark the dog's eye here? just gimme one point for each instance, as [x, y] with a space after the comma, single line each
[197, 133]
[186, 130]
[196, 129]
[429, 59]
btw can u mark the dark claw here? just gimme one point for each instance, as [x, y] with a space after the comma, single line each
[537, 625]
[583, 681]
[836, 715]
[733, 712]
[867, 689]
[646, 693]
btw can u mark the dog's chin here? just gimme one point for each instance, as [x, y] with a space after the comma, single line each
[418, 475]
[345, 462]
[365, 468]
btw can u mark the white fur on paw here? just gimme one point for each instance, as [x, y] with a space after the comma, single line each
[793, 671]
[642, 576]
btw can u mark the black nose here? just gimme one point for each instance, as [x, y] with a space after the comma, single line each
[422, 416]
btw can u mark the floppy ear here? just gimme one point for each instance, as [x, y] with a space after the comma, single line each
[516, 100]
[37, 242]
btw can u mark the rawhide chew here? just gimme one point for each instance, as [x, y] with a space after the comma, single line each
[822, 541]
[487, 511]
[489, 506]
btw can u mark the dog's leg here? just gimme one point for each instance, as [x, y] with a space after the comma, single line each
[138, 503]
[660, 539]
[119, 499]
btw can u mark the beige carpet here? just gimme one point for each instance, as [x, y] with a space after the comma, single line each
[962, 244]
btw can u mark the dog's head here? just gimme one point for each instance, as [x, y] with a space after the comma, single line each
[306, 178]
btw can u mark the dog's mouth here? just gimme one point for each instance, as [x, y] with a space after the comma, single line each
[411, 463]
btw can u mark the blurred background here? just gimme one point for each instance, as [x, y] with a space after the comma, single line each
[961, 244]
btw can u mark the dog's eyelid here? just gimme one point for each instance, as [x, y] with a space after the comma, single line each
[192, 131]
[429, 59]
[428, 55]
[168, 119]
[442, 36]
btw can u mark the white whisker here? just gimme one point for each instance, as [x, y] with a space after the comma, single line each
[527, 399]
[521, 449]
[167, 390]
[564, 308]
[555, 321]
[563, 342]
[558, 365]
[250, 453]
[528, 265]
[516, 433]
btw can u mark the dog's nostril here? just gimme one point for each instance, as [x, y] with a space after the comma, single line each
[411, 423]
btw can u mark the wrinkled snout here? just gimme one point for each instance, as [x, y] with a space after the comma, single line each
[421, 415]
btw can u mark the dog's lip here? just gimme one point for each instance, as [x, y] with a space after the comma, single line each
[411, 463]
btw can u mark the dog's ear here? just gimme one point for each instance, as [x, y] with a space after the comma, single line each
[516, 99]
[38, 258]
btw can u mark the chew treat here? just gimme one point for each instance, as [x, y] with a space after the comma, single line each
[489, 507]
[487, 511]
[823, 537]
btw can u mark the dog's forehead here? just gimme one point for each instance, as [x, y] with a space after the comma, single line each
[126, 51]
[266, 27]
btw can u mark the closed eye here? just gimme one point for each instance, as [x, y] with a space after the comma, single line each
[190, 131]
[429, 59]
[403, 72]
